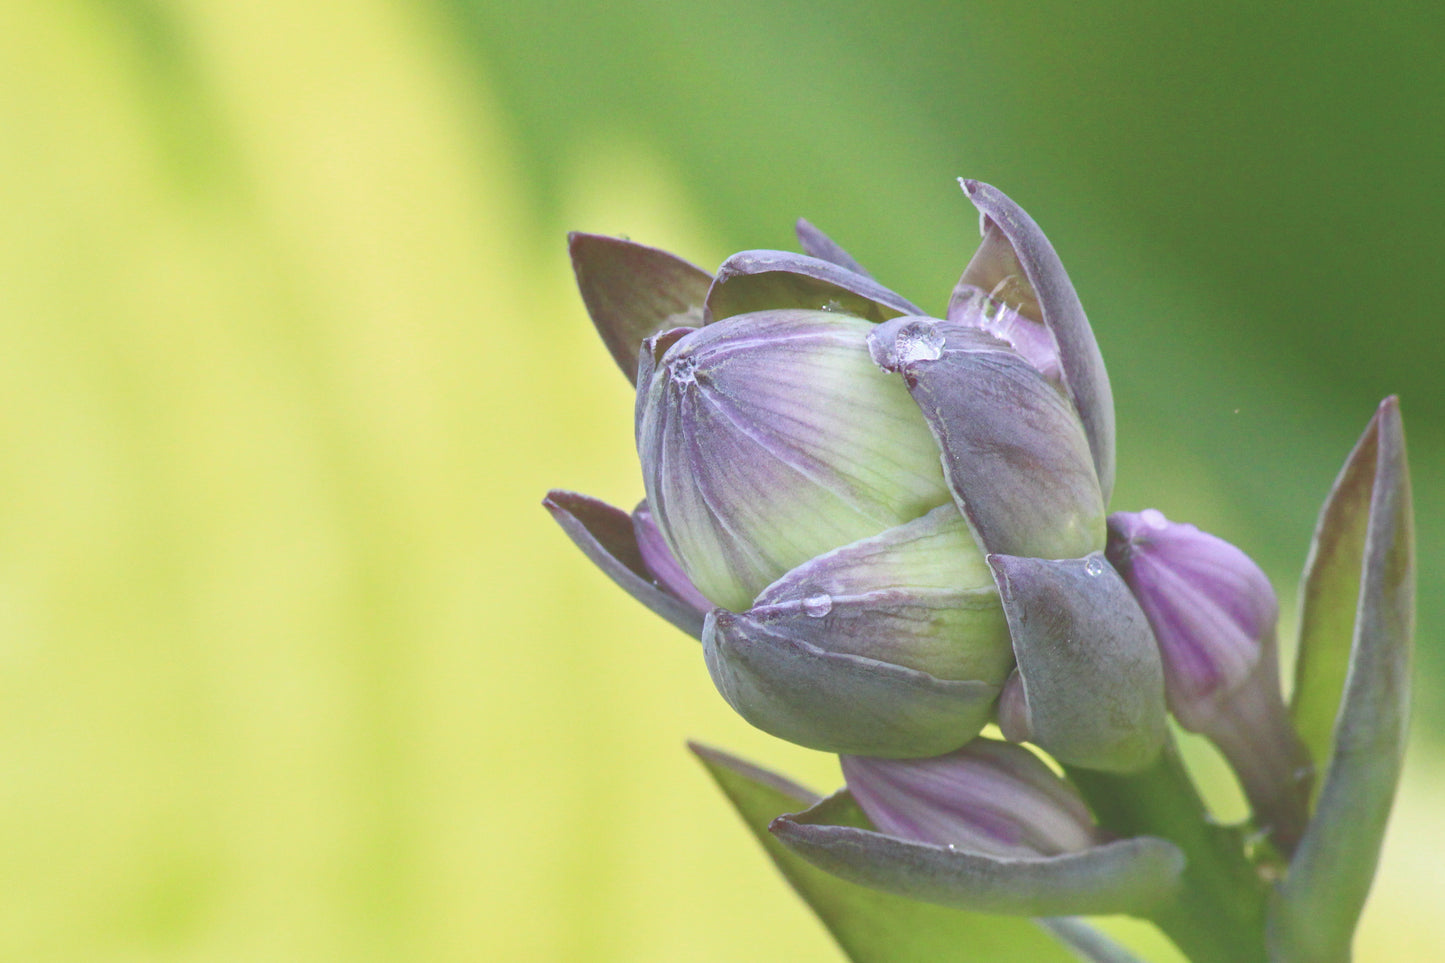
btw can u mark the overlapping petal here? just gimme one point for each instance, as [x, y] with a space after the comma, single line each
[1017, 263]
[1013, 448]
[767, 280]
[1092, 682]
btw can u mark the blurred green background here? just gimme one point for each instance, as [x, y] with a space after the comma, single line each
[292, 664]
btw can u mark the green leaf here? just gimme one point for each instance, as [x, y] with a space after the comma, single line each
[873, 926]
[1357, 631]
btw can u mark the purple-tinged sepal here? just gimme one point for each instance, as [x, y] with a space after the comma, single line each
[768, 280]
[1086, 876]
[1013, 448]
[661, 563]
[770, 438]
[894, 645]
[1213, 612]
[633, 291]
[1090, 687]
[988, 797]
[619, 545]
[819, 245]
[1017, 265]
[1352, 691]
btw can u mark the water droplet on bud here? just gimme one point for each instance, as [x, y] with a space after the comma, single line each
[1094, 566]
[918, 341]
[832, 305]
[817, 606]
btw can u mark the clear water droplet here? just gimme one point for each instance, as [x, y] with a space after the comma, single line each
[918, 341]
[817, 606]
[951, 848]
[1154, 518]
[832, 304]
[1094, 566]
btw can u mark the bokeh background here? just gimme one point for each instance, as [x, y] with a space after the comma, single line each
[292, 664]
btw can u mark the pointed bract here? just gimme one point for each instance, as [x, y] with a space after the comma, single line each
[874, 927]
[1128, 876]
[1315, 910]
[607, 536]
[632, 291]
[1013, 243]
[1093, 686]
[769, 280]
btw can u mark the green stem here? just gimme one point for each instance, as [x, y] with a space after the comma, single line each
[1218, 916]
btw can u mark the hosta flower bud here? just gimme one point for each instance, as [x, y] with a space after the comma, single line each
[988, 797]
[769, 438]
[848, 484]
[1210, 606]
[1213, 612]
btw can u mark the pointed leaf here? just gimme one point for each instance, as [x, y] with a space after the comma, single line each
[874, 927]
[768, 280]
[819, 245]
[1026, 248]
[1314, 913]
[837, 702]
[607, 536]
[1093, 683]
[632, 291]
[1126, 876]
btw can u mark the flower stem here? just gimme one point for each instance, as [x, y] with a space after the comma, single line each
[1218, 915]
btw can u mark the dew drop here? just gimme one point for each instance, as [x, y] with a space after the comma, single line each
[817, 606]
[951, 848]
[918, 341]
[1094, 566]
[832, 305]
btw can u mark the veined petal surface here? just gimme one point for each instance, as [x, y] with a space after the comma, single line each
[1013, 447]
[918, 595]
[770, 438]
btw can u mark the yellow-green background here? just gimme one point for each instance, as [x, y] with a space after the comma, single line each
[292, 664]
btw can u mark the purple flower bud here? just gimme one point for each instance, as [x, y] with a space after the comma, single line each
[769, 438]
[988, 797]
[802, 432]
[1213, 613]
[1210, 607]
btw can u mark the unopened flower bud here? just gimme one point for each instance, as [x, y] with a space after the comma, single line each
[1213, 613]
[769, 438]
[988, 797]
[1210, 606]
